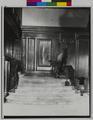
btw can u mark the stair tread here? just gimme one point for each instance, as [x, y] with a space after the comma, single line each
[41, 90]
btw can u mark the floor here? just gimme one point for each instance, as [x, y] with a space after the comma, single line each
[45, 95]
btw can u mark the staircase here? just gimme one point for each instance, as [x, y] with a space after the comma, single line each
[33, 90]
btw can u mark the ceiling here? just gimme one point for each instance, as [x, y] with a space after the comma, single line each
[55, 17]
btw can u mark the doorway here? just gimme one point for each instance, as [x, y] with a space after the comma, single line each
[43, 54]
[36, 54]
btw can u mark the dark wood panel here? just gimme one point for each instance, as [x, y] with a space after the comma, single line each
[83, 58]
[62, 38]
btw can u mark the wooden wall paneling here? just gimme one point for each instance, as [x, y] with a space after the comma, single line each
[84, 58]
[45, 35]
[77, 60]
[77, 55]
[12, 32]
[27, 52]
[31, 54]
[71, 53]
[24, 52]
[60, 39]
[5, 76]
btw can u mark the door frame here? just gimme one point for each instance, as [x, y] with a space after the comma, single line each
[37, 52]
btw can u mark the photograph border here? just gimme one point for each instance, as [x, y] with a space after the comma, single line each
[82, 116]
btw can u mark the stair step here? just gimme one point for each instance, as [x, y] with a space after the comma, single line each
[40, 90]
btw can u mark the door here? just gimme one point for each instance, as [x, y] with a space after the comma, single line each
[29, 54]
[43, 54]
[36, 54]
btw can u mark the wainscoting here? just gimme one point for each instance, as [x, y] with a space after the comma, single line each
[75, 39]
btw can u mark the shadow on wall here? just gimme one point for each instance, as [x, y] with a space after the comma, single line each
[75, 17]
